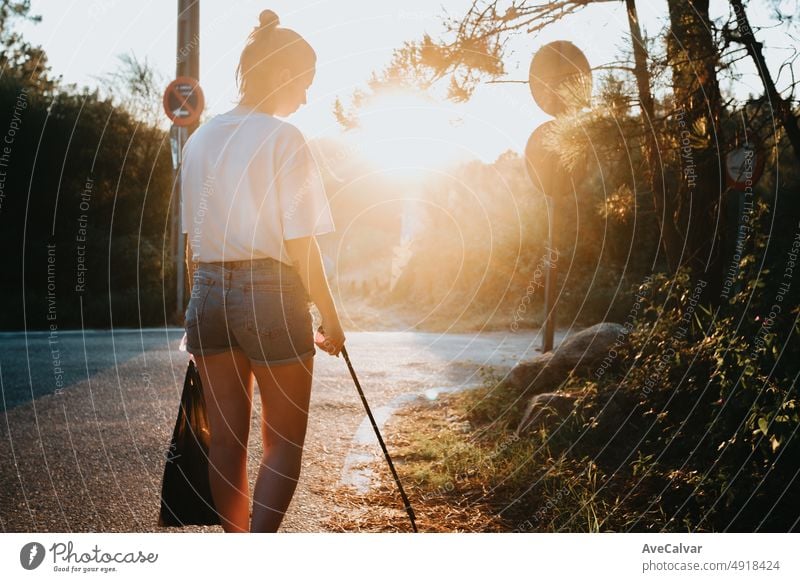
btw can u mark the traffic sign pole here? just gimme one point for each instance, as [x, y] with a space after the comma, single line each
[187, 66]
[183, 104]
[560, 80]
[543, 170]
[550, 278]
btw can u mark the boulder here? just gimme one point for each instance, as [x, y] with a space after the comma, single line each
[543, 408]
[581, 353]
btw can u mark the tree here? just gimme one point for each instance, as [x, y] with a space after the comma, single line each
[663, 201]
[20, 61]
[783, 108]
[87, 178]
[137, 87]
[693, 58]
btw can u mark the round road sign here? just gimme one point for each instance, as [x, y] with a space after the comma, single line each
[184, 101]
[544, 166]
[541, 163]
[560, 78]
[744, 167]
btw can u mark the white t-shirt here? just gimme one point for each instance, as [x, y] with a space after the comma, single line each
[248, 182]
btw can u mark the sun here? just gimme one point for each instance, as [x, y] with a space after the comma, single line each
[406, 134]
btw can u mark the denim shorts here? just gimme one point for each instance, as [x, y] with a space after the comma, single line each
[260, 307]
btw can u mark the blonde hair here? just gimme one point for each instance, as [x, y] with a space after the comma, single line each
[270, 48]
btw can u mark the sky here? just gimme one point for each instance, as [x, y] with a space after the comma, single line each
[83, 39]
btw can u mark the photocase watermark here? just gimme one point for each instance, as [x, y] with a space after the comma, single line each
[545, 263]
[553, 500]
[52, 317]
[187, 49]
[514, 96]
[688, 314]
[744, 227]
[401, 255]
[778, 302]
[313, 176]
[100, 8]
[669, 353]
[192, 44]
[8, 141]
[66, 559]
[741, 23]
[147, 380]
[31, 555]
[630, 322]
[686, 151]
[344, 151]
[551, 503]
[170, 455]
[418, 15]
[196, 235]
[81, 235]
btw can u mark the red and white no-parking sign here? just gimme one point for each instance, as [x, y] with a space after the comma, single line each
[184, 101]
[744, 166]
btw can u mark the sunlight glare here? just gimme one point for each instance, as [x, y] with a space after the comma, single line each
[406, 135]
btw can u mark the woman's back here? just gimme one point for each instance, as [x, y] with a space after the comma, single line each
[248, 182]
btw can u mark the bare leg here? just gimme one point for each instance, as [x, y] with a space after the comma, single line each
[285, 394]
[228, 390]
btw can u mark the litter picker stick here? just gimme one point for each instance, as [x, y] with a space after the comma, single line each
[409, 509]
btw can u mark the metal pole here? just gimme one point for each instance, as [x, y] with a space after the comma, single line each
[187, 64]
[551, 276]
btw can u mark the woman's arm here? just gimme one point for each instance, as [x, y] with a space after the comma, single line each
[305, 255]
[190, 264]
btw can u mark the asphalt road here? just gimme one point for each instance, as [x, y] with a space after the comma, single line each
[87, 418]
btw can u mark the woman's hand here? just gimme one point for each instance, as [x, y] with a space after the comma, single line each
[330, 337]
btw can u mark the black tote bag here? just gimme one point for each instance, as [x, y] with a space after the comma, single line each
[185, 491]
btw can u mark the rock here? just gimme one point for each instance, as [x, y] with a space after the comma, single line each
[544, 407]
[536, 375]
[580, 354]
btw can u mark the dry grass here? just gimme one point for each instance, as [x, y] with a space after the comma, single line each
[437, 509]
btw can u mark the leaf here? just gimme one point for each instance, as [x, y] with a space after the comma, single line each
[763, 424]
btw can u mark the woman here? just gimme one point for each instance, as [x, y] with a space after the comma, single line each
[252, 204]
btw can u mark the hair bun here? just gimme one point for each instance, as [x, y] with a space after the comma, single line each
[268, 19]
